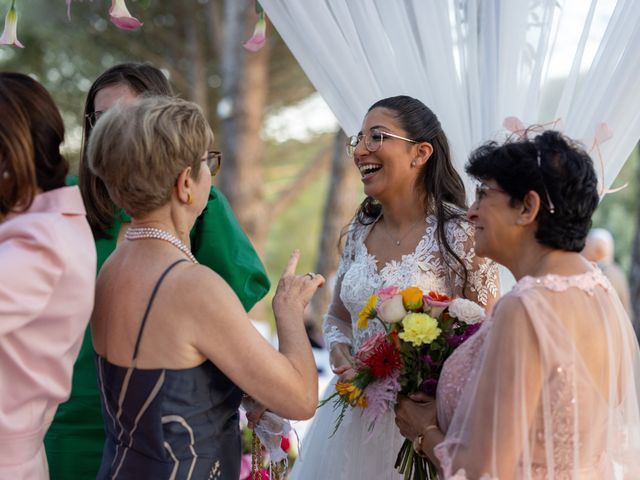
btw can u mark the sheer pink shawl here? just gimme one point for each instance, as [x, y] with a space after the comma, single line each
[552, 390]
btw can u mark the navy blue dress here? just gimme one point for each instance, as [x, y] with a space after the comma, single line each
[168, 424]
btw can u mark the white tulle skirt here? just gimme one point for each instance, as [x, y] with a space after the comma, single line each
[353, 453]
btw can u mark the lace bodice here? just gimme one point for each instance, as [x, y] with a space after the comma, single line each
[426, 267]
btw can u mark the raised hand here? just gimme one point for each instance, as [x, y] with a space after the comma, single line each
[295, 290]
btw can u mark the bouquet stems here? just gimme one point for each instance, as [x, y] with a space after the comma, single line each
[413, 466]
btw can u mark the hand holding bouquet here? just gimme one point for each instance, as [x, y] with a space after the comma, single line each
[420, 332]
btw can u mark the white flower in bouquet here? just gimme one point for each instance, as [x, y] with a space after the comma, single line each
[392, 310]
[466, 311]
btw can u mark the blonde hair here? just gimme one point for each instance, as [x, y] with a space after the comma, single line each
[138, 150]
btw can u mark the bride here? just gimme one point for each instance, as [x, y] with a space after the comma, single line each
[410, 230]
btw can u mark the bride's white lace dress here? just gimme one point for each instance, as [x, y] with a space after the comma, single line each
[354, 452]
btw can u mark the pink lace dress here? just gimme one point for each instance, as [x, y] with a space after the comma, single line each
[356, 451]
[546, 389]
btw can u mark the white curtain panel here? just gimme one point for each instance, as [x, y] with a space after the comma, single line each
[476, 62]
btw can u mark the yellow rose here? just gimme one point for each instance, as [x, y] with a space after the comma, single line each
[419, 329]
[412, 298]
[369, 311]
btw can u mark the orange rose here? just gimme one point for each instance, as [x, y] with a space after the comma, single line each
[412, 298]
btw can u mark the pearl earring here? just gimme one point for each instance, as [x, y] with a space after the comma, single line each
[5, 175]
[413, 164]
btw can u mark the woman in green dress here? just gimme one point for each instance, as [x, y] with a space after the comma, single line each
[76, 437]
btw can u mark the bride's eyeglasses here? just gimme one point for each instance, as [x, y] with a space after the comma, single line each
[214, 161]
[372, 141]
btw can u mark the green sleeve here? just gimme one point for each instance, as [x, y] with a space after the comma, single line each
[71, 180]
[217, 241]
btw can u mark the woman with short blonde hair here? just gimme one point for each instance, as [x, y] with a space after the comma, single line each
[175, 348]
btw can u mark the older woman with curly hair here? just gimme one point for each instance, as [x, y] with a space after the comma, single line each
[548, 387]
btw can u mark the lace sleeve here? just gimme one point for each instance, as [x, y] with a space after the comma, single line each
[483, 281]
[336, 326]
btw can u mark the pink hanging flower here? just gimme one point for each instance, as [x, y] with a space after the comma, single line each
[10, 36]
[257, 41]
[121, 17]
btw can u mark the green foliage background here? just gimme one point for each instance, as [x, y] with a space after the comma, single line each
[618, 211]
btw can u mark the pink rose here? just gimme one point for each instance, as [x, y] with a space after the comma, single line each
[388, 292]
[434, 307]
[369, 345]
[392, 310]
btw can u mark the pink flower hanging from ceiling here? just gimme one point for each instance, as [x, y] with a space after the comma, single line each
[257, 41]
[9, 35]
[121, 17]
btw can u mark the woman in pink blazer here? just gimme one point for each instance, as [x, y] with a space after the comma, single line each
[47, 274]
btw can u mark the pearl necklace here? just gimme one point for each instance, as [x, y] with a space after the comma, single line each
[139, 233]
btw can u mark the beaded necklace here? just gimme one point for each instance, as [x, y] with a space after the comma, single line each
[139, 233]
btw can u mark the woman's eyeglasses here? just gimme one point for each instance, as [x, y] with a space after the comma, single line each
[372, 141]
[93, 118]
[214, 161]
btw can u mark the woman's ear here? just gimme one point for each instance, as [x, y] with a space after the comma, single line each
[184, 186]
[424, 151]
[529, 208]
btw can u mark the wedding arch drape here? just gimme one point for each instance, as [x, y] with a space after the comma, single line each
[476, 62]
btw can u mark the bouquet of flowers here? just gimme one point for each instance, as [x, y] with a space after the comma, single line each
[420, 331]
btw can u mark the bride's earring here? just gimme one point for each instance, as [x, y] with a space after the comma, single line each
[413, 164]
[5, 175]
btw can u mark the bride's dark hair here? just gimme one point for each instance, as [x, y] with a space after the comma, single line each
[438, 182]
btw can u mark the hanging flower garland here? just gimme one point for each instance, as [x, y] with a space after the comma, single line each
[118, 13]
[121, 17]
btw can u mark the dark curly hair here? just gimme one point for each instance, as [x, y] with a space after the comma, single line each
[566, 172]
[438, 181]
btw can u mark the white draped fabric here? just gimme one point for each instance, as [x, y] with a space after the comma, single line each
[476, 62]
